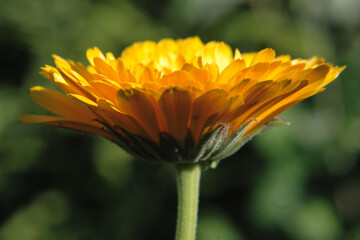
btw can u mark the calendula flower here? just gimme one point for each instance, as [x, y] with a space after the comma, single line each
[177, 100]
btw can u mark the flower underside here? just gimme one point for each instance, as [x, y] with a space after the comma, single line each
[177, 100]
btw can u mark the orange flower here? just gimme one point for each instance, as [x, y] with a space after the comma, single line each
[177, 100]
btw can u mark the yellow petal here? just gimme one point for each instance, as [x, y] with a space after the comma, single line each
[208, 54]
[247, 57]
[60, 62]
[237, 55]
[92, 53]
[63, 85]
[265, 55]
[230, 71]
[223, 55]
[283, 58]
[190, 48]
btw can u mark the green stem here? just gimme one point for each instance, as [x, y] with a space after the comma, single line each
[188, 183]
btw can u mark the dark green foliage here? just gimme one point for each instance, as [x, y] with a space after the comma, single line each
[299, 183]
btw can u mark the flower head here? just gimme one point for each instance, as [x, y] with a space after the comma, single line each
[177, 100]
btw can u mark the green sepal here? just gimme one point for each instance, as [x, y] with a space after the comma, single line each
[135, 145]
[237, 139]
[146, 149]
[232, 143]
[210, 143]
[209, 151]
[172, 150]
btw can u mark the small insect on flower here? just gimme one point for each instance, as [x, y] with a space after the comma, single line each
[177, 100]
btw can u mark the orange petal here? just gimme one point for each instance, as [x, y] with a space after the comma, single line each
[91, 127]
[59, 104]
[83, 100]
[201, 75]
[213, 69]
[278, 108]
[38, 118]
[82, 70]
[230, 71]
[299, 66]
[273, 73]
[136, 104]
[271, 115]
[91, 105]
[178, 78]
[251, 112]
[176, 105]
[107, 90]
[102, 78]
[333, 74]
[119, 118]
[273, 66]
[104, 68]
[318, 73]
[73, 82]
[261, 91]
[158, 112]
[123, 75]
[242, 86]
[257, 71]
[296, 96]
[147, 76]
[222, 115]
[188, 67]
[204, 106]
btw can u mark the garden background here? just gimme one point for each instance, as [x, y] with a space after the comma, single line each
[299, 183]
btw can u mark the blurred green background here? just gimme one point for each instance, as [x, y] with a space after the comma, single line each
[300, 182]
